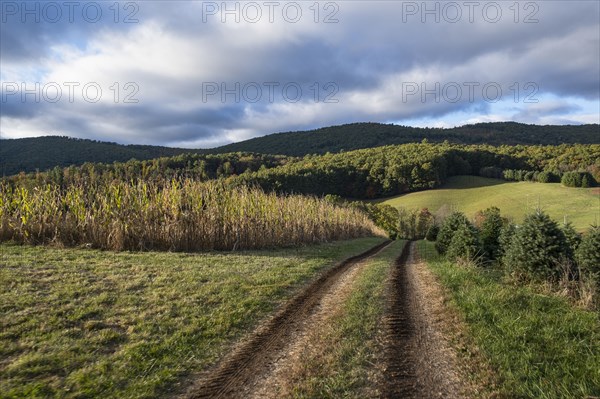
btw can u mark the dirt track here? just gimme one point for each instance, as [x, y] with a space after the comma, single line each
[417, 361]
[420, 362]
[242, 371]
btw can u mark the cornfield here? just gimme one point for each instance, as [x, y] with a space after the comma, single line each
[176, 215]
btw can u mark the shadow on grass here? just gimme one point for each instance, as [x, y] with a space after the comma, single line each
[468, 181]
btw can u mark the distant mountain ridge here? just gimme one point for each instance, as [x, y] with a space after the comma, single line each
[367, 135]
[44, 153]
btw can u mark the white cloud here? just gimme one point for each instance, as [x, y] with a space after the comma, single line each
[372, 56]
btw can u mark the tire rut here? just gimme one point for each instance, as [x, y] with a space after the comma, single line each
[400, 374]
[420, 363]
[253, 357]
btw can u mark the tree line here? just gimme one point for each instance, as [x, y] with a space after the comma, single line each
[44, 153]
[392, 170]
[368, 135]
[361, 174]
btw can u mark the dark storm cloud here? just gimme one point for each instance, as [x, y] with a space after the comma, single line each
[29, 29]
[535, 111]
[145, 124]
[156, 116]
[176, 126]
[12, 106]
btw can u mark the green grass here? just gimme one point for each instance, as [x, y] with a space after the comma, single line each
[540, 346]
[470, 194]
[85, 323]
[348, 347]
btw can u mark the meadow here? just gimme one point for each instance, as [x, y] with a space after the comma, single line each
[90, 323]
[470, 194]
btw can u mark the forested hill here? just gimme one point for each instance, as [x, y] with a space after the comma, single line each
[44, 153]
[367, 135]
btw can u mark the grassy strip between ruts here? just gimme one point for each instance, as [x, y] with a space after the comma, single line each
[86, 323]
[540, 346]
[341, 363]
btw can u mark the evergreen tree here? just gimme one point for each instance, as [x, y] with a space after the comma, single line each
[505, 239]
[449, 227]
[588, 253]
[537, 248]
[490, 232]
[573, 239]
[464, 243]
[432, 233]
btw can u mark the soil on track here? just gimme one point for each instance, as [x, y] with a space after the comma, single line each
[420, 362]
[417, 359]
[243, 372]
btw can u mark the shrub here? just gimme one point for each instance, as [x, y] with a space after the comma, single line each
[334, 199]
[578, 179]
[525, 175]
[537, 248]
[571, 179]
[529, 176]
[449, 227]
[491, 171]
[544, 177]
[520, 175]
[508, 174]
[386, 217]
[548, 176]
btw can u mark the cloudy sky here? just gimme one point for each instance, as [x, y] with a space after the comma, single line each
[202, 74]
